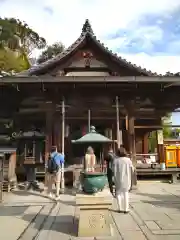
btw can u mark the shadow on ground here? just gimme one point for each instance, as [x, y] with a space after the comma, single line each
[66, 224]
[12, 210]
[165, 200]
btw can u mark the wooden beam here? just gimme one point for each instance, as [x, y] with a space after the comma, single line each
[159, 126]
[93, 79]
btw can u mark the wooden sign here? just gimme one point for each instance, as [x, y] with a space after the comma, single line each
[160, 138]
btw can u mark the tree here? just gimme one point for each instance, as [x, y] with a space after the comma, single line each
[167, 131]
[17, 35]
[50, 52]
[11, 62]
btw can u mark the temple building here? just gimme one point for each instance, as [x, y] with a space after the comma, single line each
[87, 84]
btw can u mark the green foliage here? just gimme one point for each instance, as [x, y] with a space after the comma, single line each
[50, 52]
[16, 34]
[152, 141]
[167, 131]
[11, 61]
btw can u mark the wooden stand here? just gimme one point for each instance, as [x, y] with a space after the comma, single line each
[94, 216]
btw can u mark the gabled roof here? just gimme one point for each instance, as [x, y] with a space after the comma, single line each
[86, 34]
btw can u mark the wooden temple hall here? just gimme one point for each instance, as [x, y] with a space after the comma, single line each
[86, 85]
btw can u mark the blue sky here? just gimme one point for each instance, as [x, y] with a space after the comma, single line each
[145, 32]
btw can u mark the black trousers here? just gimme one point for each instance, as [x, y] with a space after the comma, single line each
[110, 179]
[31, 176]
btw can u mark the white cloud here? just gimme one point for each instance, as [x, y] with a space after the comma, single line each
[65, 22]
[159, 64]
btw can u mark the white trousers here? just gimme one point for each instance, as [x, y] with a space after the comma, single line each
[123, 200]
[58, 179]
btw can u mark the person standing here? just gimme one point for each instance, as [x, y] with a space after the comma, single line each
[110, 159]
[122, 169]
[55, 165]
[90, 160]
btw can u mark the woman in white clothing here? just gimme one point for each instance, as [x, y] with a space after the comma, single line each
[122, 178]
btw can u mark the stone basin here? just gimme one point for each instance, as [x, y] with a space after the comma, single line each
[93, 182]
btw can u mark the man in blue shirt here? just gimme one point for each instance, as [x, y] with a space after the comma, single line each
[58, 157]
[56, 177]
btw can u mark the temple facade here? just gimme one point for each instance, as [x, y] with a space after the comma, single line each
[86, 85]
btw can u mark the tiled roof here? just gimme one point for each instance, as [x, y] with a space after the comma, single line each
[6, 74]
[87, 32]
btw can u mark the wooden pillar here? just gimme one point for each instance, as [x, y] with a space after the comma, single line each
[160, 146]
[117, 123]
[89, 120]
[62, 143]
[132, 140]
[48, 141]
[130, 107]
[57, 131]
[145, 144]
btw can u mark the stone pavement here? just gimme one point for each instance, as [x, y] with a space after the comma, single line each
[155, 215]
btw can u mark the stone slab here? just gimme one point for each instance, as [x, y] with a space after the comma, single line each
[167, 232]
[169, 225]
[93, 223]
[59, 224]
[125, 222]
[152, 225]
[13, 224]
[36, 224]
[133, 235]
[48, 224]
[94, 215]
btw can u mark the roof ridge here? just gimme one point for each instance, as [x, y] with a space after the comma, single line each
[115, 55]
[86, 32]
[87, 28]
